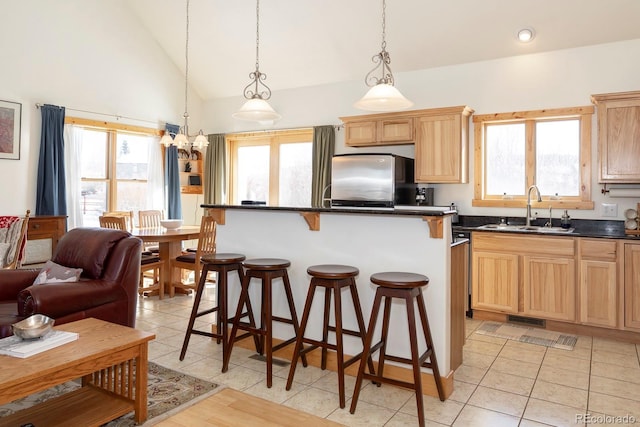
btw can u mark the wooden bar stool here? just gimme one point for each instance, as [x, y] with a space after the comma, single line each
[406, 286]
[333, 278]
[223, 264]
[264, 269]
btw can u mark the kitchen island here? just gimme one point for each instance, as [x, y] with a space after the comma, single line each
[373, 240]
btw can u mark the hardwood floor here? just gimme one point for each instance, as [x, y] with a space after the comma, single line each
[232, 408]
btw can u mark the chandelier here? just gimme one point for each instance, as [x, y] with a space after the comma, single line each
[181, 140]
[256, 108]
[383, 96]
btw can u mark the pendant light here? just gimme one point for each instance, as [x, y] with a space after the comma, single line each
[181, 140]
[256, 108]
[383, 96]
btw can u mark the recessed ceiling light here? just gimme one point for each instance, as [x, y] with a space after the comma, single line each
[525, 35]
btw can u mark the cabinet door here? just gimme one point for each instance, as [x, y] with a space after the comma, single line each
[598, 293]
[399, 130]
[441, 154]
[618, 136]
[632, 286]
[494, 284]
[549, 288]
[360, 133]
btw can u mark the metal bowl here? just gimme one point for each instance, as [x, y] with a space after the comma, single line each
[33, 327]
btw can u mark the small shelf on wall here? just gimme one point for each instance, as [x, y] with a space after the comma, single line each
[190, 166]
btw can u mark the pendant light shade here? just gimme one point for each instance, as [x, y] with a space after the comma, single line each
[256, 108]
[383, 96]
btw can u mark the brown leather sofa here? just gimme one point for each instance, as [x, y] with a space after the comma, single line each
[107, 288]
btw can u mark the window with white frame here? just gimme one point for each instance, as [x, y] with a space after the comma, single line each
[547, 148]
[273, 167]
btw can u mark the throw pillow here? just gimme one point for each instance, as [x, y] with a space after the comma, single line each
[4, 250]
[56, 273]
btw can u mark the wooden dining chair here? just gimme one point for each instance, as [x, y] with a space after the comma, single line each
[127, 215]
[150, 219]
[152, 268]
[191, 260]
[114, 222]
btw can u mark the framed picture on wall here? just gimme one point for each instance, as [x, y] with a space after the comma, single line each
[10, 118]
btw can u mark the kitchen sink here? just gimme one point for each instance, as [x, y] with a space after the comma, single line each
[525, 228]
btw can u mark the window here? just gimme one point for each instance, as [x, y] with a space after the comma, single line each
[113, 171]
[548, 148]
[274, 167]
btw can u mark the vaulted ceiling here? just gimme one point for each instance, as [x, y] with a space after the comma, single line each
[314, 42]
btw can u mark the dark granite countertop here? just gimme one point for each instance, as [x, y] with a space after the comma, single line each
[612, 229]
[399, 210]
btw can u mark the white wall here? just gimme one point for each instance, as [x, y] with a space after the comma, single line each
[83, 54]
[557, 79]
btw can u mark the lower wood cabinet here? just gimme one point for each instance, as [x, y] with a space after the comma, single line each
[632, 286]
[549, 287]
[495, 281]
[598, 282]
[526, 275]
[587, 281]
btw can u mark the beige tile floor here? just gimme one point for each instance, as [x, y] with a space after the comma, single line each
[501, 382]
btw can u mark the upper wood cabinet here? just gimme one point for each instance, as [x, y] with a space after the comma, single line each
[618, 136]
[379, 129]
[442, 140]
[440, 135]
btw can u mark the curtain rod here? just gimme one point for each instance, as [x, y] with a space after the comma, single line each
[118, 117]
[336, 127]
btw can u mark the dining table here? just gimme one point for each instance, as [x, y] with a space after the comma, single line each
[169, 244]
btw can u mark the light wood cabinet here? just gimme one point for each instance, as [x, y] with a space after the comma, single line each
[495, 282]
[598, 282]
[379, 129]
[440, 135]
[549, 287]
[442, 146]
[459, 294]
[530, 275]
[632, 286]
[618, 136]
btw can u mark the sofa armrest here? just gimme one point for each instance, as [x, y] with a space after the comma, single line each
[59, 299]
[13, 281]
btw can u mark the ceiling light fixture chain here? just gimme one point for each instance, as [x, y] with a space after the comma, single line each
[257, 92]
[382, 59]
[257, 78]
[186, 74]
[181, 140]
[382, 96]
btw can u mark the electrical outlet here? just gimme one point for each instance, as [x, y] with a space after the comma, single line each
[610, 209]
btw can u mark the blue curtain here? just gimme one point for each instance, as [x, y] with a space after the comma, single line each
[51, 190]
[172, 177]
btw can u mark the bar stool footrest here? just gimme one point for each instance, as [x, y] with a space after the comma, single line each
[376, 379]
[283, 344]
[344, 331]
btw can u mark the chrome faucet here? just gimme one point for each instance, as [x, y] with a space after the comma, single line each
[529, 202]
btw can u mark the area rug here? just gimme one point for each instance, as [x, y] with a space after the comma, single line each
[168, 392]
[528, 335]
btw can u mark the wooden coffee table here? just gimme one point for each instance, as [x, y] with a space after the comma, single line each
[112, 362]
